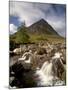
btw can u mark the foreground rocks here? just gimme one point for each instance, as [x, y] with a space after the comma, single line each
[22, 71]
[21, 77]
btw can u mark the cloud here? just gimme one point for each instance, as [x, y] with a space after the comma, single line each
[13, 28]
[58, 23]
[32, 12]
[26, 12]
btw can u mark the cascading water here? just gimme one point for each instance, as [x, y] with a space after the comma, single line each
[27, 56]
[47, 76]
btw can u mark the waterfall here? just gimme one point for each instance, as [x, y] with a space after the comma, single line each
[47, 68]
[57, 55]
[47, 75]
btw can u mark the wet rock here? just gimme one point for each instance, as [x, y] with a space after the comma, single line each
[38, 60]
[58, 67]
[41, 51]
[26, 66]
[23, 77]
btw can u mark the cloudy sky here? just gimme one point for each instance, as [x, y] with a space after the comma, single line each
[54, 14]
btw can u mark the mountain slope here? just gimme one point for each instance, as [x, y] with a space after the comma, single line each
[42, 27]
[39, 31]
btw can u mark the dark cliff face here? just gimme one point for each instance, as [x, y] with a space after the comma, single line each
[42, 27]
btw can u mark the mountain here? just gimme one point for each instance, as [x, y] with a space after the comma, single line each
[42, 27]
[39, 31]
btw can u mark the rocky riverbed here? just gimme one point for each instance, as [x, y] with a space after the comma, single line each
[27, 61]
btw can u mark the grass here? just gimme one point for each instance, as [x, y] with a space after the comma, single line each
[49, 38]
[36, 38]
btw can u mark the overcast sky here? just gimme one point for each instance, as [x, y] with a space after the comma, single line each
[54, 14]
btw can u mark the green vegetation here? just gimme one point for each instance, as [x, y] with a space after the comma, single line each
[46, 38]
[21, 36]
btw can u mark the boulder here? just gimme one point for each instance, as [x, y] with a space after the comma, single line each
[41, 51]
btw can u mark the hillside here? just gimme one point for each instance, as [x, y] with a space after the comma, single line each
[39, 31]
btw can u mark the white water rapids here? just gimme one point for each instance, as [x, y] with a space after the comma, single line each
[46, 76]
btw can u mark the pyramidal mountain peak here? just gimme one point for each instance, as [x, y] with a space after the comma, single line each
[42, 27]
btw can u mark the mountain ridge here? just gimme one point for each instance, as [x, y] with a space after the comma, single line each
[42, 27]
